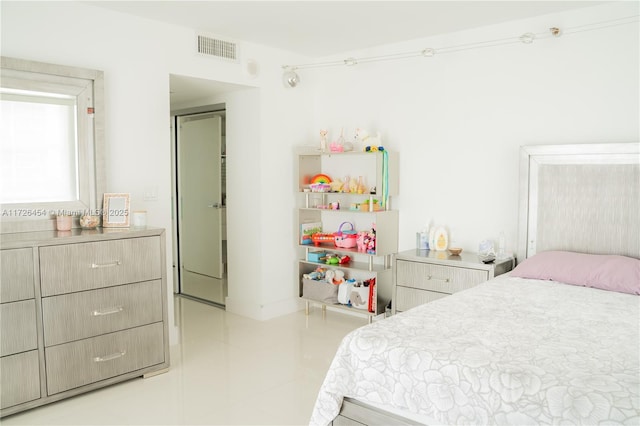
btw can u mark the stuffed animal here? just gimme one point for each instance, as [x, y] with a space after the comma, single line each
[364, 140]
[360, 243]
[357, 301]
[369, 241]
[317, 275]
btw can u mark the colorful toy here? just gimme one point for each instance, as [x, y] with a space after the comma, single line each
[374, 148]
[331, 259]
[336, 147]
[366, 241]
[317, 275]
[320, 187]
[320, 178]
[320, 238]
[345, 238]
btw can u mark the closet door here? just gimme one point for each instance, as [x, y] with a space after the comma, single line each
[200, 209]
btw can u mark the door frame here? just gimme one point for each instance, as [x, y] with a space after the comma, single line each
[221, 108]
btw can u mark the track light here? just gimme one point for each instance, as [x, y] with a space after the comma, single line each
[289, 77]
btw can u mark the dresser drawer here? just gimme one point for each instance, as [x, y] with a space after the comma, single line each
[90, 313]
[87, 361]
[20, 378]
[18, 327]
[16, 275]
[87, 266]
[407, 298]
[443, 279]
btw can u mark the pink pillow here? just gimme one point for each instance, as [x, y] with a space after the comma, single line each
[606, 272]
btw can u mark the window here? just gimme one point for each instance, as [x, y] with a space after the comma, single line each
[50, 141]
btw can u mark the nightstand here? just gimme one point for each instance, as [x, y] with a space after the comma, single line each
[422, 276]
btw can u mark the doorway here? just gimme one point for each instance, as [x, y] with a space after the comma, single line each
[200, 173]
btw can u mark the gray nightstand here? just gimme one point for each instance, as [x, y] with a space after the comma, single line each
[422, 276]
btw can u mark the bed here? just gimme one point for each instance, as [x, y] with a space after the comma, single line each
[555, 341]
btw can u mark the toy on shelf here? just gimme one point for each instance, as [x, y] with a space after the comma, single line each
[362, 188]
[366, 206]
[364, 140]
[321, 178]
[337, 185]
[322, 238]
[345, 238]
[353, 186]
[336, 259]
[320, 183]
[337, 146]
[323, 140]
[317, 275]
[366, 240]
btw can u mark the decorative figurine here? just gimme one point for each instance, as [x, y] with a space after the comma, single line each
[323, 140]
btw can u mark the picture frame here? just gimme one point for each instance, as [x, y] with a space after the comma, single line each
[115, 210]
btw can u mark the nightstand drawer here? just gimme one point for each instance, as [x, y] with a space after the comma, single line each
[16, 275]
[85, 314]
[407, 298]
[18, 327]
[87, 361]
[87, 266]
[443, 279]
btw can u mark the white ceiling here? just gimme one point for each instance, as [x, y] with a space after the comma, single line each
[321, 28]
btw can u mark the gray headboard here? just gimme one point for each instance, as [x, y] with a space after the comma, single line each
[583, 198]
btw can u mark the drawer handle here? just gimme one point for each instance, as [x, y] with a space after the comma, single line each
[109, 357]
[109, 311]
[105, 265]
[446, 280]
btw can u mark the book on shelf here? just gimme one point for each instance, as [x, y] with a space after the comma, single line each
[307, 230]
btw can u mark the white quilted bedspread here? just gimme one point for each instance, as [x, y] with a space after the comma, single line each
[509, 351]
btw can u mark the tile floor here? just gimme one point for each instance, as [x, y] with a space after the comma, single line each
[225, 369]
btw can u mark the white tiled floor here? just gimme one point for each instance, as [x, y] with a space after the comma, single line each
[226, 369]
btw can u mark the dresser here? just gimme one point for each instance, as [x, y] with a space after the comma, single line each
[422, 276]
[80, 310]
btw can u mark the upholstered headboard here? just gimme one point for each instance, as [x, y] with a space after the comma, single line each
[583, 198]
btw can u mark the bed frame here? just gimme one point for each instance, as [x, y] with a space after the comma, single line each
[583, 198]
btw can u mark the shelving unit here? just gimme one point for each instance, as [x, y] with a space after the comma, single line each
[382, 185]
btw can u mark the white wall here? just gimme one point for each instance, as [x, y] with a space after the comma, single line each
[459, 119]
[137, 57]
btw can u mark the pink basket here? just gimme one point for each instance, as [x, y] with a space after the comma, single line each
[345, 239]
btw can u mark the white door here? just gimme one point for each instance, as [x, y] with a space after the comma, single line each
[200, 207]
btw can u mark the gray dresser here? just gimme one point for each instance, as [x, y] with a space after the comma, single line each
[80, 310]
[422, 276]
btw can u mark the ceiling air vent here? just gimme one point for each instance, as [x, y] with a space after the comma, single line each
[217, 47]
